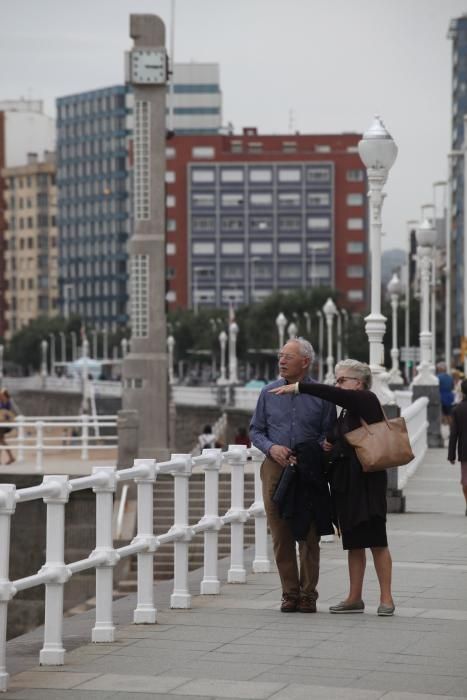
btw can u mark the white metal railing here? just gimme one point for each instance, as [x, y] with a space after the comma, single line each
[403, 398]
[61, 384]
[195, 395]
[45, 434]
[417, 426]
[55, 492]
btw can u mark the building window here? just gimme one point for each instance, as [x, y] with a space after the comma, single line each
[231, 175]
[354, 199]
[318, 223]
[171, 225]
[319, 247]
[202, 152]
[232, 248]
[355, 295]
[142, 148]
[232, 199]
[170, 152]
[319, 271]
[354, 247]
[170, 201]
[171, 249]
[355, 271]
[203, 248]
[171, 296]
[203, 199]
[260, 199]
[202, 175]
[290, 248]
[139, 295]
[289, 146]
[260, 175]
[290, 175]
[289, 199]
[355, 175]
[318, 199]
[203, 223]
[169, 176]
[355, 224]
[261, 248]
[233, 272]
[260, 223]
[291, 271]
[318, 174]
[232, 295]
[290, 223]
[232, 223]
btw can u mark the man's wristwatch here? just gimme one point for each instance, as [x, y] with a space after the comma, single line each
[296, 388]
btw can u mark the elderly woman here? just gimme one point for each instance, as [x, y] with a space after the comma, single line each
[359, 498]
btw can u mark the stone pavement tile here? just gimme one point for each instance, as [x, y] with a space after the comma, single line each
[53, 694]
[229, 689]
[444, 664]
[128, 633]
[409, 682]
[386, 638]
[49, 679]
[444, 614]
[396, 695]
[131, 665]
[306, 677]
[277, 652]
[207, 634]
[144, 684]
[459, 688]
[148, 647]
[221, 670]
[258, 657]
[295, 691]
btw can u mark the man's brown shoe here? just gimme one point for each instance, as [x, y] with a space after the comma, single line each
[288, 603]
[306, 604]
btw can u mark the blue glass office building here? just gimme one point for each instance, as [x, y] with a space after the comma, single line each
[93, 205]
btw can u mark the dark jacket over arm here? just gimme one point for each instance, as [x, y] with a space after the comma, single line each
[458, 435]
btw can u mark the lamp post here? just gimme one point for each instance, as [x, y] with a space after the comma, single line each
[307, 318]
[233, 365]
[292, 330]
[281, 323]
[63, 348]
[378, 152]
[223, 343]
[345, 339]
[329, 310]
[124, 344]
[320, 345]
[52, 354]
[68, 290]
[85, 376]
[74, 346]
[43, 363]
[253, 279]
[394, 289]
[339, 336]
[426, 237]
[105, 345]
[94, 343]
[170, 349]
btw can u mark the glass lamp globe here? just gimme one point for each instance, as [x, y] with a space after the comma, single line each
[426, 234]
[377, 148]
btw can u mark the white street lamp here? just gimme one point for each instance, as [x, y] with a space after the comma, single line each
[43, 363]
[330, 311]
[124, 344]
[345, 343]
[170, 348]
[320, 345]
[74, 346]
[94, 343]
[394, 289]
[378, 152]
[307, 318]
[63, 348]
[426, 238]
[223, 343]
[85, 376]
[233, 365]
[52, 354]
[339, 336]
[292, 330]
[281, 323]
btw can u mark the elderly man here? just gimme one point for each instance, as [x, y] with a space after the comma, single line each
[276, 432]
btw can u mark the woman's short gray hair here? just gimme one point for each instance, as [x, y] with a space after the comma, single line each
[306, 349]
[360, 369]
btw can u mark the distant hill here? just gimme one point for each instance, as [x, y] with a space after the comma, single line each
[391, 260]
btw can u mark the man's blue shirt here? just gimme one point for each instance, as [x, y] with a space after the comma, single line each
[289, 419]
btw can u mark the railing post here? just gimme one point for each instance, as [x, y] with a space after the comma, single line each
[39, 446]
[145, 612]
[210, 585]
[84, 436]
[7, 508]
[236, 458]
[261, 562]
[21, 436]
[104, 629]
[181, 597]
[53, 653]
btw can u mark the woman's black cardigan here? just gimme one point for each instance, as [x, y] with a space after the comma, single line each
[357, 496]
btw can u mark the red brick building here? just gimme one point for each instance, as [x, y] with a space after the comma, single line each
[250, 214]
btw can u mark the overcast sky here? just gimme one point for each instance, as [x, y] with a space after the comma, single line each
[331, 64]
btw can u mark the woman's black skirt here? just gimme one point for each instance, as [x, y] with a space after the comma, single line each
[371, 533]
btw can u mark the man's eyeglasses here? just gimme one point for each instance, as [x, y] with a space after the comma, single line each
[341, 380]
[285, 356]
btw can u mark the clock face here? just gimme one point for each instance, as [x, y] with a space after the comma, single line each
[148, 67]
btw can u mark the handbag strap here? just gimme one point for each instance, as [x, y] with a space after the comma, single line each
[367, 427]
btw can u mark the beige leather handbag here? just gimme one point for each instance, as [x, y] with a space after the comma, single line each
[381, 445]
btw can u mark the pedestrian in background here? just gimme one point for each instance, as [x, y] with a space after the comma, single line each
[446, 391]
[458, 438]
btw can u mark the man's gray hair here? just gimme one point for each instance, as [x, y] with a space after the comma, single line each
[306, 348]
[360, 369]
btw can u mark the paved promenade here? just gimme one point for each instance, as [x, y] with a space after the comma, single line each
[239, 645]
